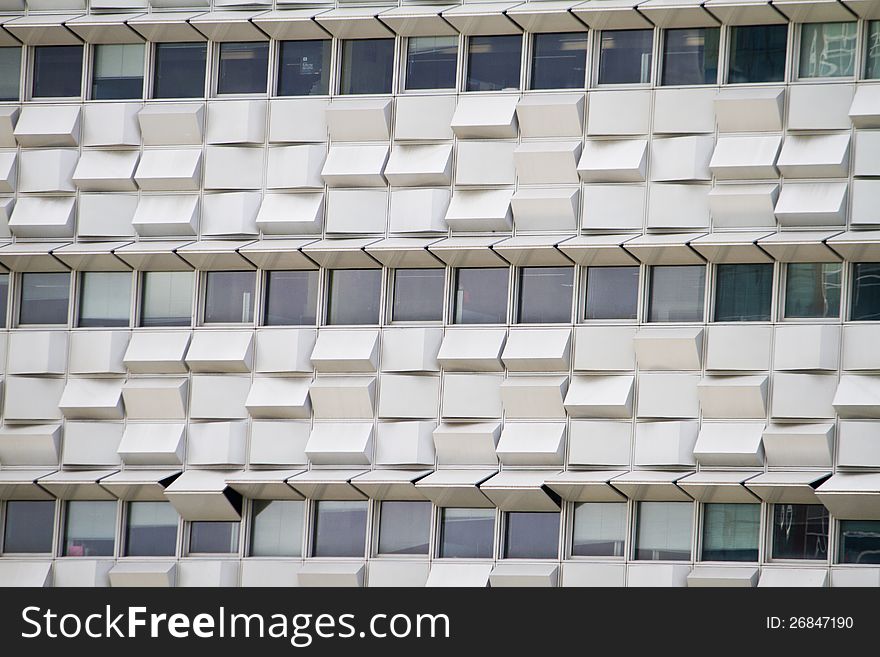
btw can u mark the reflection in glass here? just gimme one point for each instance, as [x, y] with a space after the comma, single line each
[481, 296]
[151, 530]
[493, 62]
[418, 295]
[354, 296]
[859, 541]
[118, 71]
[559, 61]
[865, 291]
[467, 533]
[180, 70]
[89, 529]
[625, 56]
[243, 68]
[872, 51]
[431, 62]
[664, 530]
[545, 294]
[29, 526]
[277, 528]
[612, 293]
[104, 298]
[229, 297]
[44, 298]
[677, 293]
[828, 50]
[304, 68]
[743, 292]
[690, 55]
[730, 532]
[404, 527]
[340, 529]
[531, 535]
[291, 298]
[213, 537]
[167, 298]
[800, 531]
[599, 529]
[367, 66]
[812, 289]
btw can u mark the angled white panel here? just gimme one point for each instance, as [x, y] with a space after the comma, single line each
[48, 125]
[613, 160]
[684, 111]
[218, 397]
[331, 574]
[619, 113]
[532, 443]
[478, 117]
[356, 210]
[815, 156]
[343, 398]
[111, 124]
[166, 215]
[806, 347]
[730, 444]
[418, 210]
[106, 171]
[793, 577]
[657, 575]
[600, 396]
[204, 495]
[203, 573]
[480, 210]
[143, 574]
[357, 119]
[857, 396]
[281, 351]
[456, 488]
[424, 117]
[730, 577]
[467, 443]
[152, 443]
[613, 207]
[802, 396]
[745, 157]
[409, 396]
[599, 443]
[799, 445]
[236, 122]
[35, 217]
[31, 444]
[411, 349]
[678, 206]
[47, 170]
[233, 167]
[472, 350]
[545, 208]
[681, 158]
[291, 214]
[471, 396]
[37, 352]
[221, 351]
[537, 350]
[157, 352]
[295, 167]
[26, 573]
[858, 347]
[733, 397]
[216, 443]
[278, 443]
[413, 165]
[669, 349]
[812, 204]
[32, 398]
[665, 443]
[169, 170]
[346, 351]
[355, 166]
[551, 115]
[91, 444]
[749, 109]
[92, 399]
[155, 399]
[485, 163]
[819, 107]
[604, 348]
[405, 443]
[737, 206]
[164, 124]
[398, 574]
[547, 162]
[472, 575]
[332, 443]
[534, 397]
[297, 120]
[279, 398]
[230, 213]
[668, 396]
[520, 490]
[864, 112]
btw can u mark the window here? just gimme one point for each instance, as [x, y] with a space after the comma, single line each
[812, 289]
[243, 68]
[57, 71]
[859, 541]
[690, 56]
[431, 62]
[663, 532]
[545, 294]
[418, 295]
[180, 70]
[89, 529]
[340, 529]
[757, 53]
[625, 56]
[404, 527]
[4, 298]
[291, 298]
[481, 296]
[467, 533]
[743, 292]
[531, 535]
[118, 71]
[800, 531]
[304, 68]
[559, 61]
[229, 297]
[277, 528]
[677, 293]
[865, 300]
[212, 537]
[104, 298]
[612, 293]
[872, 51]
[29, 527]
[167, 298]
[10, 73]
[44, 298]
[730, 532]
[493, 62]
[151, 530]
[828, 50]
[354, 296]
[599, 529]
[367, 66]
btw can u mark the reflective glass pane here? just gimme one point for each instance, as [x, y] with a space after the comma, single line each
[677, 293]
[104, 298]
[277, 528]
[10, 73]
[545, 294]
[812, 289]
[559, 61]
[179, 70]
[467, 533]
[404, 527]
[4, 298]
[304, 68]
[872, 51]
[340, 529]
[690, 56]
[431, 62]
[531, 535]
[481, 296]
[828, 50]
[151, 530]
[229, 297]
[800, 531]
[167, 298]
[743, 292]
[57, 71]
[291, 298]
[625, 56]
[859, 541]
[493, 62]
[29, 526]
[418, 295]
[89, 529]
[367, 66]
[599, 529]
[44, 298]
[354, 296]
[612, 293]
[663, 531]
[213, 537]
[757, 53]
[118, 71]
[865, 300]
[730, 532]
[243, 68]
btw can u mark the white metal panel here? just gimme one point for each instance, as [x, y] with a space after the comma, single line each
[152, 443]
[346, 351]
[600, 396]
[472, 350]
[343, 398]
[221, 351]
[599, 443]
[730, 397]
[661, 444]
[467, 443]
[730, 444]
[532, 443]
[537, 350]
[272, 397]
[799, 445]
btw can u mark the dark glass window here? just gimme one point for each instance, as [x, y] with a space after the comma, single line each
[865, 292]
[418, 295]
[277, 528]
[612, 293]
[118, 71]
[104, 298]
[44, 298]
[625, 56]
[291, 298]
[757, 53]
[493, 62]
[743, 292]
[29, 526]
[677, 293]
[89, 529]
[690, 56]
[599, 529]
[663, 531]
[481, 296]
[531, 535]
[57, 71]
[213, 537]
[166, 298]
[229, 297]
[859, 541]
[730, 532]
[340, 529]
[367, 66]
[812, 289]
[545, 294]
[431, 62]
[404, 527]
[800, 531]
[467, 533]
[151, 530]
[559, 61]
[4, 298]
[243, 68]
[304, 68]
[180, 70]
[353, 296]
[872, 51]
[10, 73]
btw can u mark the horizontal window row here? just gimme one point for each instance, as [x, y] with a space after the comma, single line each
[537, 295]
[659, 531]
[688, 56]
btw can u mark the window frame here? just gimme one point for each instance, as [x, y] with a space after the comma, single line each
[465, 65]
[339, 61]
[54, 547]
[849, 291]
[123, 534]
[327, 283]
[23, 66]
[775, 293]
[529, 65]
[274, 75]
[515, 313]
[438, 536]
[186, 549]
[213, 66]
[80, 281]
[628, 536]
[793, 53]
[699, 529]
[649, 288]
[661, 59]
[29, 62]
[768, 557]
[453, 288]
[61, 531]
[635, 519]
[90, 65]
[139, 300]
[248, 529]
[373, 534]
[505, 538]
[391, 289]
[19, 288]
[842, 310]
[583, 283]
[727, 46]
[310, 526]
[256, 308]
[263, 275]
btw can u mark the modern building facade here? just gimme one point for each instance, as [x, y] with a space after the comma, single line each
[547, 293]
